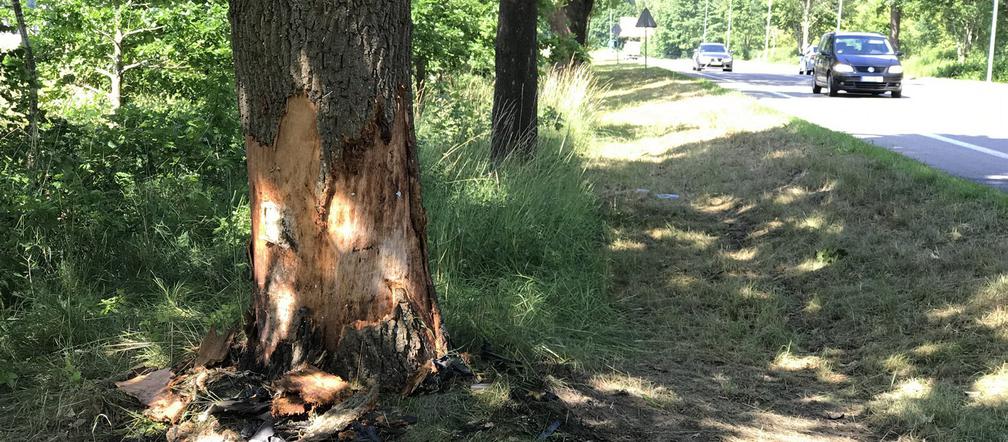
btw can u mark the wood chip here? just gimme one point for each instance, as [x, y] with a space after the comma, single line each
[340, 416]
[288, 406]
[147, 387]
[414, 381]
[214, 347]
[313, 386]
[153, 390]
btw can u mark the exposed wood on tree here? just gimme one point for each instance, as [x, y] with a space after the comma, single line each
[515, 104]
[29, 60]
[339, 253]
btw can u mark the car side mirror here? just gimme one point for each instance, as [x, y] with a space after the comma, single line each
[899, 53]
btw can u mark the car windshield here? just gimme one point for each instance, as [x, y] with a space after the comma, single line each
[712, 48]
[862, 45]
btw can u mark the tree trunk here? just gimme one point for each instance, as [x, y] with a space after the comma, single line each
[339, 247]
[30, 68]
[805, 25]
[515, 106]
[895, 18]
[116, 79]
[578, 13]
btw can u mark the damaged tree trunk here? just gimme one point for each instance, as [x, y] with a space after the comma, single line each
[338, 248]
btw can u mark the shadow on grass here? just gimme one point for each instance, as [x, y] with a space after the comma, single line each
[804, 285]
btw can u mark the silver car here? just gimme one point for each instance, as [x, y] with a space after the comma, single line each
[806, 63]
[712, 55]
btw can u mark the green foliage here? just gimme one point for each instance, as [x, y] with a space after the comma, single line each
[453, 35]
[515, 251]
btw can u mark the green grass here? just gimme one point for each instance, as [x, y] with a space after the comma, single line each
[803, 273]
[944, 63]
[133, 274]
[804, 285]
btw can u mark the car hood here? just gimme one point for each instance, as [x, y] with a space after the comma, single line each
[868, 60]
[716, 54]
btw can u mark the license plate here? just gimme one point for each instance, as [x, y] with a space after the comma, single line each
[871, 79]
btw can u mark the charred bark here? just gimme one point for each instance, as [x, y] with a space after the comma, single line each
[338, 250]
[515, 107]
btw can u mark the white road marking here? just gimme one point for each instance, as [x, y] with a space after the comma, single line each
[779, 94]
[974, 147]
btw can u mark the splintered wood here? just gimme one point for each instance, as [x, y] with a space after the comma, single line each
[302, 390]
[153, 390]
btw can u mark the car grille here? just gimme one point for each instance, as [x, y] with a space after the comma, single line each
[868, 85]
[878, 69]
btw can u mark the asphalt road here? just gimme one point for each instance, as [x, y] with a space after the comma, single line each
[958, 126]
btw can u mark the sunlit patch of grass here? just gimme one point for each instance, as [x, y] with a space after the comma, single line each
[695, 239]
[626, 245]
[620, 383]
[893, 273]
[991, 390]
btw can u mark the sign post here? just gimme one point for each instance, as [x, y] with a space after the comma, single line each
[646, 21]
[616, 31]
[990, 54]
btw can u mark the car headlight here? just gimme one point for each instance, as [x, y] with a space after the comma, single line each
[897, 69]
[843, 68]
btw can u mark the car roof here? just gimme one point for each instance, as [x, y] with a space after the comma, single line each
[712, 43]
[857, 34]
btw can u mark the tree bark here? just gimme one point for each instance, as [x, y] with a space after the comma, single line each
[31, 71]
[578, 13]
[338, 248]
[895, 18]
[806, 24]
[515, 107]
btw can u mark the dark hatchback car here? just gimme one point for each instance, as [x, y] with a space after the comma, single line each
[857, 62]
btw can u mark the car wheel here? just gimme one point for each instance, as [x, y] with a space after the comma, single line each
[727, 69]
[833, 91]
[897, 94]
[816, 89]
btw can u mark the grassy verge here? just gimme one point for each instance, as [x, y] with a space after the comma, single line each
[943, 63]
[804, 283]
[131, 271]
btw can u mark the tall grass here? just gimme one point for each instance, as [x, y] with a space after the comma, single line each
[131, 265]
[516, 249]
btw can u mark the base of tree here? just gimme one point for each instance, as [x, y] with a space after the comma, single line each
[214, 397]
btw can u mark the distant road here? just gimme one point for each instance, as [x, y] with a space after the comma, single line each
[958, 126]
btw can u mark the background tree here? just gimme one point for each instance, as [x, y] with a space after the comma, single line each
[30, 71]
[578, 14]
[452, 36]
[515, 108]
